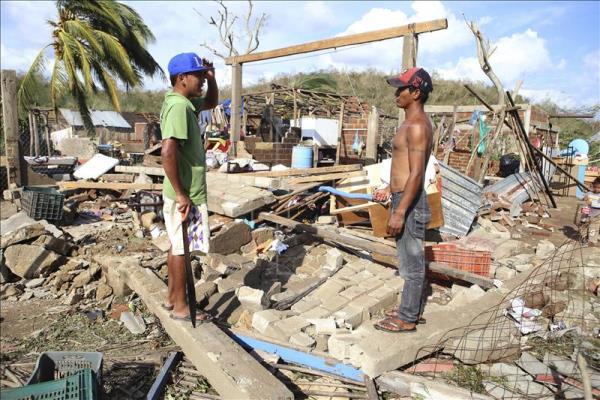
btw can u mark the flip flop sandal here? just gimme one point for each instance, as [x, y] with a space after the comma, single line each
[166, 307]
[387, 325]
[394, 314]
[201, 317]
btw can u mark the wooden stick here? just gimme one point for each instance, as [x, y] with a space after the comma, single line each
[64, 185]
[326, 177]
[314, 372]
[371, 388]
[330, 384]
[306, 171]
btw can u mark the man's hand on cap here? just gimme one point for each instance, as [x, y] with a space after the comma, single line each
[210, 69]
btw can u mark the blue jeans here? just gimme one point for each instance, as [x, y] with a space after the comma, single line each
[411, 256]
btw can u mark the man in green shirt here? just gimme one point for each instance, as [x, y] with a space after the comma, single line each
[183, 159]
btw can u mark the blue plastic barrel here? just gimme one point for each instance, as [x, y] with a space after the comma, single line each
[302, 157]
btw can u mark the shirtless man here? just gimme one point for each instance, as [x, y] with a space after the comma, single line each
[410, 211]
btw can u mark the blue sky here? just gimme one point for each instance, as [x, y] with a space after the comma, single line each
[553, 47]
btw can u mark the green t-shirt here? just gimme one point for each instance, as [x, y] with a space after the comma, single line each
[178, 119]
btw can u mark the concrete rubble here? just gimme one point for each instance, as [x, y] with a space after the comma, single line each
[316, 290]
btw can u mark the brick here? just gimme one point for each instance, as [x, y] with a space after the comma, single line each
[334, 303]
[324, 326]
[365, 303]
[383, 291]
[349, 316]
[302, 339]
[317, 312]
[355, 266]
[328, 289]
[263, 319]
[292, 325]
[353, 292]
[338, 346]
[395, 283]
[371, 283]
[384, 301]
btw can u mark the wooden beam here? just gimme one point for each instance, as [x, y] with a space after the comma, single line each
[136, 169]
[326, 177]
[372, 136]
[340, 132]
[230, 369]
[64, 185]
[10, 124]
[353, 208]
[409, 51]
[366, 37]
[307, 171]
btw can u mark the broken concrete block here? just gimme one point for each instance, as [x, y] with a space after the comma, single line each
[334, 258]
[252, 299]
[230, 238]
[262, 235]
[8, 291]
[30, 261]
[330, 288]
[86, 277]
[326, 219]
[56, 245]
[23, 234]
[162, 242]
[103, 291]
[339, 345]
[82, 148]
[33, 283]
[74, 297]
[302, 339]
[324, 326]
[204, 290]
[349, 316]
[249, 248]
[292, 325]
[504, 273]
[305, 304]
[261, 320]
[147, 219]
[371, 283]
[544, 248]
[465, 296]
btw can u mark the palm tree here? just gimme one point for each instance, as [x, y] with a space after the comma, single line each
[95, 43]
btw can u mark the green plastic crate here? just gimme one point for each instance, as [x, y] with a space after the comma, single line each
[42, 203]
[79, 386]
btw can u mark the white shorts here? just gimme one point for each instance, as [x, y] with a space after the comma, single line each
[198, 228]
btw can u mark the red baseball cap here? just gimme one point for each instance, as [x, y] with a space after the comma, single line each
[415, 77]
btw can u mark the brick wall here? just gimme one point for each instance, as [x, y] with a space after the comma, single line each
[275, 153]
[351, 127]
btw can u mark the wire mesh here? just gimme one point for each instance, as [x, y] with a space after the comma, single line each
[536, 341]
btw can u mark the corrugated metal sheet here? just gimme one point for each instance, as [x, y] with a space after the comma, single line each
[99, 118]
[461, 199]
[516, 189]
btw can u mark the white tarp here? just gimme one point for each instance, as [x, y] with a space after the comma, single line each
[57, 136]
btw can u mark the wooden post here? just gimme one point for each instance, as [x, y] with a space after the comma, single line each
[236, 97]
[409, 60]
[271, 126]
[47, 134]
[372, 136]
[340, 133]
[31, 135]
[36, 135]
[11, 127]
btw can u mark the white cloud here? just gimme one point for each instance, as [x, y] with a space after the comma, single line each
[562, 64]
[17, 59]
[319, 12]
[558, 97]
[515, 57]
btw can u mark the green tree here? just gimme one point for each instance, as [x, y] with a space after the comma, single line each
[95, 43]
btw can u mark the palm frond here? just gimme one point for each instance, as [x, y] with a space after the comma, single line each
[26, 94]
[58, 82]
[117, 58]
[110, 86]
[83, 30]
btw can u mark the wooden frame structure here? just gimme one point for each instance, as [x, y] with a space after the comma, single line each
[409, 58]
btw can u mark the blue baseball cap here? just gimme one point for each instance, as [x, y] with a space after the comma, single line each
[185, 62]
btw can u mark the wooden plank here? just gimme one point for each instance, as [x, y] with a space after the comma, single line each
[140, 170]
[371, 388]
[307, 171]
[109, 185]
[127, 178]
[337, 42]
[353, 208]
[232, 371]
[326, 177]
